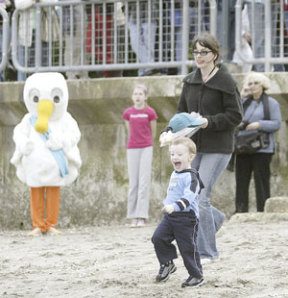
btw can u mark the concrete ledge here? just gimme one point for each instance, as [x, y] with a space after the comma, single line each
[277, 204]
[259, 217]
[103, 100]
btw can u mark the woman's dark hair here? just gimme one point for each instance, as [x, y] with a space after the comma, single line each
[208, 41]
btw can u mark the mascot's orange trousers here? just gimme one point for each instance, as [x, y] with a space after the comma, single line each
[44, 206]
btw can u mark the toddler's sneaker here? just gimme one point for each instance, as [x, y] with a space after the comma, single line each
[165, 270]
[192, 282]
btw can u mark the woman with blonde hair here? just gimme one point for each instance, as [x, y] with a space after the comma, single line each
[258, 163]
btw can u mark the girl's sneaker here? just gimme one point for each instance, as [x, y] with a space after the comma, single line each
[141, 222]
[134, 222]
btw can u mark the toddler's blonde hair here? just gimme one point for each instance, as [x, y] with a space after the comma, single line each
[187, 142]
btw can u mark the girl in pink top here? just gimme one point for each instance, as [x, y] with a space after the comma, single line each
[140, 120]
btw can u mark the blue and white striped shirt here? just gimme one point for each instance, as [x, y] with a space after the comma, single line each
[183, 191]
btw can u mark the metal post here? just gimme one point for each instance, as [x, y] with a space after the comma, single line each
[185, 36]
[38, 45]
[160, 39]
[213, 17]
[172, 16]
[225, 27]
[267, 35]
[281, 44]
[238, 27]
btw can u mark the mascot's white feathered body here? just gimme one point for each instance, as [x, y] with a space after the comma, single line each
[46, 155]
[46, 139]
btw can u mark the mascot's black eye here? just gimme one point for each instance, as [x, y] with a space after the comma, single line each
[56, 99]
[35, 98]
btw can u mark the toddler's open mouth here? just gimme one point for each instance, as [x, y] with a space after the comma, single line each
[177, 164]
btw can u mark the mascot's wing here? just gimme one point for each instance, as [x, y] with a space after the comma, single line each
[72, 138]
[21, 139]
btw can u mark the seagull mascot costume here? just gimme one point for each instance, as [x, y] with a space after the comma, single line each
[46, 155]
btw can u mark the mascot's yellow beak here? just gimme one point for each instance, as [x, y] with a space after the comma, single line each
[45, 109]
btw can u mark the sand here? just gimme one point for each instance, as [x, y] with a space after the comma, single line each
[117, 261]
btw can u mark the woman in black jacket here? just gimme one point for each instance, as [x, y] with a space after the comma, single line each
[210, 91]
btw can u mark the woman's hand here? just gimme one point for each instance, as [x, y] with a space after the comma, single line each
[205, 124]
[253, 126]
[197, 115]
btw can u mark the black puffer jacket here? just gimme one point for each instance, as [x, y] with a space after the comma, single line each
[218, 100]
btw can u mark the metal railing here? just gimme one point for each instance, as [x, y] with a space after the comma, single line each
[108, 35]
[4, 38]
[267, 29]
[97, 35]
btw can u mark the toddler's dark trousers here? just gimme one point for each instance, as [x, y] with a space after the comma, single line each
[182, 227]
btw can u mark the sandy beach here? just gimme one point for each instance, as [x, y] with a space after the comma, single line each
[117, 261]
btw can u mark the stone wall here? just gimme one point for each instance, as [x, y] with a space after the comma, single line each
[100, 193]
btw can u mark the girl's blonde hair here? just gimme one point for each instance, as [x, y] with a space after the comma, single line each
[143, 87]
[257, 77]
[187, 142]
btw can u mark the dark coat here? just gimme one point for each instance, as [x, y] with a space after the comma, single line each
[218, 100]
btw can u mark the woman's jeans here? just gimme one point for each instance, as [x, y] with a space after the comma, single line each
[210, 166]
